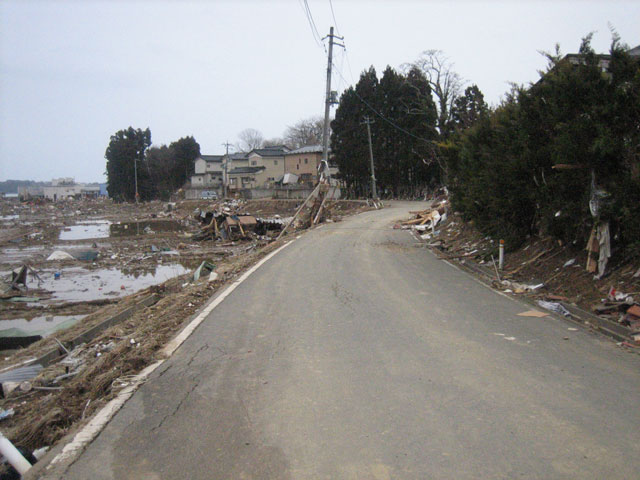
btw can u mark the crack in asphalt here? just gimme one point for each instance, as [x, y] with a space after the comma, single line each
[188, 392]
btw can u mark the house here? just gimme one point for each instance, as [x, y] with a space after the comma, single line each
[231, 161]
[603, 59]
[208, 171]
[304, 162]
[245, 177]
[272, 159]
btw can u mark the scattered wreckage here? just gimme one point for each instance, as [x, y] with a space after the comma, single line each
[545, 270]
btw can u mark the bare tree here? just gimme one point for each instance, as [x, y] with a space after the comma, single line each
[305, 132]
[445, 83]
[273, 142]
[248, 139]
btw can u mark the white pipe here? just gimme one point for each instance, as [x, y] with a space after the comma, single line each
[501, 255]
[13, 456]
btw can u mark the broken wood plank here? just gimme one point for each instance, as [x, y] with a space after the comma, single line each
[528, 262]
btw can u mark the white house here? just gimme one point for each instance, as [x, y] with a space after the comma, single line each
[208, 171]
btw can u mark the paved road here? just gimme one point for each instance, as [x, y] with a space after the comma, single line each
[354, 355]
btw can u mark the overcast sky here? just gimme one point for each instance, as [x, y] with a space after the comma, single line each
[72, 73]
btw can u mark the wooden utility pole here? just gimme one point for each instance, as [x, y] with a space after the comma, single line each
[367, 121]
[327, 104]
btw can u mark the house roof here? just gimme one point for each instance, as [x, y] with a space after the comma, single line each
[212, 158]
[270, 151]
[245, 170]
[306, 149]
[237, 156]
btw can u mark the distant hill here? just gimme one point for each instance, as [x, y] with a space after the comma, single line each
[11, 186]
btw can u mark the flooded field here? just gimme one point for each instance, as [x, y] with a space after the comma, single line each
[96, 229]
[86, 230]
[127, 229]
[78, 284]
[42, 325]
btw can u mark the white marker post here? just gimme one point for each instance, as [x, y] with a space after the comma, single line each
[13, 456]
[501, 255]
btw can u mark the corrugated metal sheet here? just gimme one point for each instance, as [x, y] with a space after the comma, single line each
[21, 374]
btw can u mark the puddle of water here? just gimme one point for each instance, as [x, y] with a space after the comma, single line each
[27, 255]
[86, 230]
[44, 326]
[78, 284]
[127, 229]
[19, 255]
[9, 218]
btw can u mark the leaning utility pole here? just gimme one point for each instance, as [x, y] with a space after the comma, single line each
[367, 121]
[226, 162]
[327, 104]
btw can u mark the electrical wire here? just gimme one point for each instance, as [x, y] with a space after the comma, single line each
[312, 22]
[314, 32]
[335, 22]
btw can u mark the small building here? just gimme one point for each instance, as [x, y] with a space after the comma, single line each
[65, 188]
[60, 189]
[245, 177]
[304, 162]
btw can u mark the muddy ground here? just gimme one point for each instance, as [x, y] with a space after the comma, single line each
[132, 244]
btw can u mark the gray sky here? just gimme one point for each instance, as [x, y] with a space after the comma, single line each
[72, 73]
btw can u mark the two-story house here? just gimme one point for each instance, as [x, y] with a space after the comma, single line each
[272, 159]
[304, 162]
[208, 171]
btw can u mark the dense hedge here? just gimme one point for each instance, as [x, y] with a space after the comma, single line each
[580, 118]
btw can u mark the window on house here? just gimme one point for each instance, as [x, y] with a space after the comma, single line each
[254, 162]
[275, 162]
[298, 167]
[306, 160]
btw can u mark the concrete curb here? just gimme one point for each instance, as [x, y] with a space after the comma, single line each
[55, 464]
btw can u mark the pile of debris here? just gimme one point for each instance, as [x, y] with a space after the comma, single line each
[426, 220]
[621, 308]
[222, 224]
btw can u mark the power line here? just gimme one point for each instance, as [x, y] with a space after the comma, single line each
[312, 22]
[335, 22]
[314, 32]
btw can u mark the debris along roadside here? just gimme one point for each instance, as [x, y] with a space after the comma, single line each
[551, 275]
[57, 383]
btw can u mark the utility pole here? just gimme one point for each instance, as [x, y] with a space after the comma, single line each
[226, 162]
[327, 105]
[367, 121]
[135, 175]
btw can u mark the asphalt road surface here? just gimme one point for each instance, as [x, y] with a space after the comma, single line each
[354, 355]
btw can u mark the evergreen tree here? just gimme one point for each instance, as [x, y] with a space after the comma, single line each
[531, 166]
[185, 151]
[468, 108]
[402, 135]
[125, 148]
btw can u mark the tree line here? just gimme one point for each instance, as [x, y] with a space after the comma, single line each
[532, 165]
[159, 171]
[414, 112]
